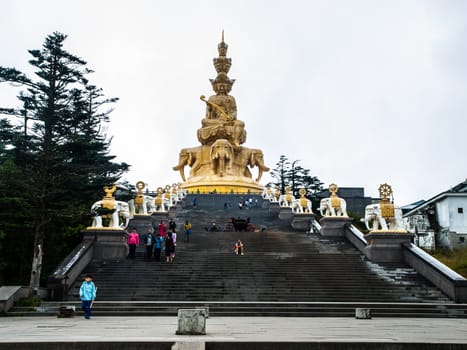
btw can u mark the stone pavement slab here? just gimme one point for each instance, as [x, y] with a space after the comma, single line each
[235, 329]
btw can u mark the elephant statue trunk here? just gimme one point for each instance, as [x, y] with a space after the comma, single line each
[221, 155]
[186, 157]
[256, 159]
[181, 168]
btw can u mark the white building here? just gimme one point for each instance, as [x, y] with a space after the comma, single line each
[442, 220]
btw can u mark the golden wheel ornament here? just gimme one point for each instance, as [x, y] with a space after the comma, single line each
[302, 192]
[140, 185]
[333, 189]
[109, 190]
[385, 191]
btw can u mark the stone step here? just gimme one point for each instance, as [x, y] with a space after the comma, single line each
[279, 265]
[337, 309]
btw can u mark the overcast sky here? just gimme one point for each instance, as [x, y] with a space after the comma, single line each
[361, 92]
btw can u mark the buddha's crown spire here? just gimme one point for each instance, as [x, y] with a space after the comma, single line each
[222, 46]
[222, 64]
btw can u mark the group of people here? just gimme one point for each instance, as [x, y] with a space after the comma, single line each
[247, 203]
[165, 239]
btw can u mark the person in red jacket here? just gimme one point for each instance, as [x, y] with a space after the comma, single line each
[162, 229]
[133, 241]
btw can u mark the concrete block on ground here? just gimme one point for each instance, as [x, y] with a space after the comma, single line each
[362, 314]
[191, 322]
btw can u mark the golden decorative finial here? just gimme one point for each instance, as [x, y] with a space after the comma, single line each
[303, 199]
[333, 189]
[139, 198]
[387, 208]
[108, 201]
[140, 186]
[335, 200]
[109, 190]
[385, 191]
[158, 200]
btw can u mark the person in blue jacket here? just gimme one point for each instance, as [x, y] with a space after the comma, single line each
[158, 247]
[87, 293]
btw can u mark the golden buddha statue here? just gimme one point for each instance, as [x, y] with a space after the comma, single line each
[221, 163]
[221, 120]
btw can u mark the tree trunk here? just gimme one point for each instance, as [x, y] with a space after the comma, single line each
[36, 268]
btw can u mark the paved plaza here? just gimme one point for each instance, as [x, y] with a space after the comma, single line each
[238, 329]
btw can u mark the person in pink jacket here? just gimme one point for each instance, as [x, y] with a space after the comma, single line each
[133, 241]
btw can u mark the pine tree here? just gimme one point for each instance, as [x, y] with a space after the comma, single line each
[280, 173]
[71, 160]
[290, 174]
[15, 207]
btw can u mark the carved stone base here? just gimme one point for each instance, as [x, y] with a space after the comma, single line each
[386, 246]
[141, 223]
[286, 214]
[302, 221]
[109, 245]
[224, 184]
[191, 322]
[334, 225]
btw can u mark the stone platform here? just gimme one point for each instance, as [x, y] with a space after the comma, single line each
[233, 333]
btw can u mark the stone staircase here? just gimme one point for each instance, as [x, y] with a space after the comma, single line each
[283, 273]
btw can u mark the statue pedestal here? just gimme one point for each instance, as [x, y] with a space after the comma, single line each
[302, 221]
[110, 244]
[386, 246]
[333, 226]
[285, 213]
[221, 184]
[274, 208]
[141, 223]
